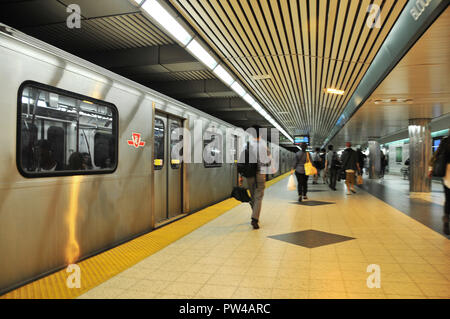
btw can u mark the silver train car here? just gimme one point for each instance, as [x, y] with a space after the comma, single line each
[86, 161]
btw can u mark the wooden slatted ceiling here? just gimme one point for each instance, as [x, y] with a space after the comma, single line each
[304, 45]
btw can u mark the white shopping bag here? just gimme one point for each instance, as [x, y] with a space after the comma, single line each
[292, 185]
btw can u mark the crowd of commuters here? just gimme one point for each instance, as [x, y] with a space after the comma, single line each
[331, 167]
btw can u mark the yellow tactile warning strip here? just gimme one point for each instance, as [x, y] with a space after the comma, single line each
[99, 268]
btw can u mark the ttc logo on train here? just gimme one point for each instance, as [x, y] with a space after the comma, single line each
[136, 140]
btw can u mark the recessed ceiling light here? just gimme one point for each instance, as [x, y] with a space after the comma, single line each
[393, 101]
[334, 91]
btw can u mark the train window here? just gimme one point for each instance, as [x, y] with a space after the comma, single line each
[158, 161]
[212, 150]
[59, 132]
[176, 156]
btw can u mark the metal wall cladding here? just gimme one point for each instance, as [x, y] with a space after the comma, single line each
[419, 154]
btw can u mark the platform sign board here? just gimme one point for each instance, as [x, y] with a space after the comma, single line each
[299, 139]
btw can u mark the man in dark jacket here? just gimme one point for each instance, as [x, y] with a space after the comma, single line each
[351, 166]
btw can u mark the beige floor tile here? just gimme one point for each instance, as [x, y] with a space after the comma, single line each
[170, 296]
[410, 260]
[150, 285]
[216, 291]
[212, 260]
[119, 282]
[257, 282]
[326, 285]
[289, 294]
[132, 294]
[414, 268]
[263, 271]
[102, 293]
[182, 288]
[431, 278]
[404, 297]
[401, 288]
[293, 273]
[233, 270]
[334, 274]
[354, 275]
[360, 286]
[291, 283]
[162, 274]
[320, 294]
[353, 266]
[438, 290]
[203, 268]
[225, 279]
[194, 277]
[252, 293]
[366, 296]
[395, 276]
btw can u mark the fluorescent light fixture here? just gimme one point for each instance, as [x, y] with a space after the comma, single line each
[223, 75]
[157, 12]
[238, 89]
[334, 91]
[249, 99]
[201, 54]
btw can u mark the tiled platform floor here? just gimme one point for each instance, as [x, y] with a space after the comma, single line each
[226, 258]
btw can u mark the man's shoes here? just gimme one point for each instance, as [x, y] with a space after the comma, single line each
[305, 197]
[255, 223]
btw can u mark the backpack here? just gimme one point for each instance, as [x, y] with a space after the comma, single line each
[245, 168]
[335, 161]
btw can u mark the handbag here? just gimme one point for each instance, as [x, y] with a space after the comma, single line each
[309, 167]
[292, 186]
[240, 194]
[359, 180]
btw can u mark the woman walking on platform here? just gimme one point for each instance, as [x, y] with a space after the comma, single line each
[301, 157]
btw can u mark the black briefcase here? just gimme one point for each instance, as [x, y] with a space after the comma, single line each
[240, 194]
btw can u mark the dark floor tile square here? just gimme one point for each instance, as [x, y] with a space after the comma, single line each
[311, 238]
[306, 202]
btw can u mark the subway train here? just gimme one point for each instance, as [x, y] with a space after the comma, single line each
[86, 161]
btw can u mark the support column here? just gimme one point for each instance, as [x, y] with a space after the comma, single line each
[374, 160]
[419, 155]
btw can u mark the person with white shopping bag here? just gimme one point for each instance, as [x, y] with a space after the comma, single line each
[302, 157]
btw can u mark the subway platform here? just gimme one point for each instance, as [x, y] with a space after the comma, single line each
[318, 249]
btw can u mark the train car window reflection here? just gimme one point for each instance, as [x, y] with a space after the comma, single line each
[212, 150]
[175, 139]
[159, 144]
[62, 133]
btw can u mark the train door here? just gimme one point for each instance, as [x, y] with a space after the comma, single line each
[168, 169]
[234, 171]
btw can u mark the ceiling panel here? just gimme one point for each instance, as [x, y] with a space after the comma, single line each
[421, 78]
[304, 46]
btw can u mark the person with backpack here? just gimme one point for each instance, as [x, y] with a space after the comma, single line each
[301, 157]
[350, 165]
[251, 167]
[331, 166]
[440, 167]
[361, 160]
